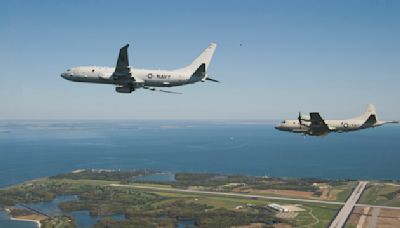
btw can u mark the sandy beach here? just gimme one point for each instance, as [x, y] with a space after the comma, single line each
[27, 220]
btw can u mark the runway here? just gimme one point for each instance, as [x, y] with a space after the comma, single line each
[345, 211]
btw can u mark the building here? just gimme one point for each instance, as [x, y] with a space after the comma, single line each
[277, 207]
[285, 208]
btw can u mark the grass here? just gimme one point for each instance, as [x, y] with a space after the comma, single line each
[57, 222]
[47, 181]
[226, 202]
[316, 214]
[346, 191]
[381, 194]
[324, 213]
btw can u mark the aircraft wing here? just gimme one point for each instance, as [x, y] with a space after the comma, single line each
[318, 125]
[122, 69]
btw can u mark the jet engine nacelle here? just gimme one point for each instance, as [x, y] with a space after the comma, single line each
[124, 89]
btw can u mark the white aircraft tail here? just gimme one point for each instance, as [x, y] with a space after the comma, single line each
[371, 117]
[204, 58]
[370, 111]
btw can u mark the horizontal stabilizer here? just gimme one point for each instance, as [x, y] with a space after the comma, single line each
[213, 80]
[201, 71]
[371, 120]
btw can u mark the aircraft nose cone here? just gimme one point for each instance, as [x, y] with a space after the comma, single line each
[65, 75]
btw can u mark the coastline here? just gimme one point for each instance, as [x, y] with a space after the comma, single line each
[39, 225]
[27, 220]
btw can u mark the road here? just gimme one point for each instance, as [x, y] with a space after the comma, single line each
[347, 208]
[363, 217]
[377, 206]
[374, 218]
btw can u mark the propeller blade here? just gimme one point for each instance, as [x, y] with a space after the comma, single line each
[213, 80]
[299, 118]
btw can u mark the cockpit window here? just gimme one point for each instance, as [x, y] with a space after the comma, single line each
[283, 121]
[69, 70]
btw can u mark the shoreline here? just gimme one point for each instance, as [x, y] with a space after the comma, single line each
[27, 220]
[39, 225]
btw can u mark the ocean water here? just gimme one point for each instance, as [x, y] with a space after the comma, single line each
[32, 149]
[82, 219]
[7, 223]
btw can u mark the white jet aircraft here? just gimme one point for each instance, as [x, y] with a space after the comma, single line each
[314, 125]
[127, 79]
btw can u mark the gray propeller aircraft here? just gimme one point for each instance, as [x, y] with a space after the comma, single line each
[314, 125]
[127, 79]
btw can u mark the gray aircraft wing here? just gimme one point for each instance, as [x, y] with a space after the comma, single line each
[317, 124]
[122, 69]
[123, 61]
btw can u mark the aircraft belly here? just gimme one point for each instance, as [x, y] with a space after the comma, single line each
[92, 80]
[300, 130]
[163, 83]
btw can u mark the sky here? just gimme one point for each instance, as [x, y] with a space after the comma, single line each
[274, 58]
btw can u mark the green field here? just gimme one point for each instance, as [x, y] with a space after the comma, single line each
[316, 215]
[385, 194]
[105, 196]
[346, 189]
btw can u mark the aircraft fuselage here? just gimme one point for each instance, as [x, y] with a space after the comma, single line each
[142, 77]
[333, 125]
[316, 126]
[127, 79]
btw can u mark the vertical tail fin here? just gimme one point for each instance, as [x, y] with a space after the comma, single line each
[204, 58]
[370, 111]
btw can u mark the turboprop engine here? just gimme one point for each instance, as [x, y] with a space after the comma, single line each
[305, 117]
[124, 89]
